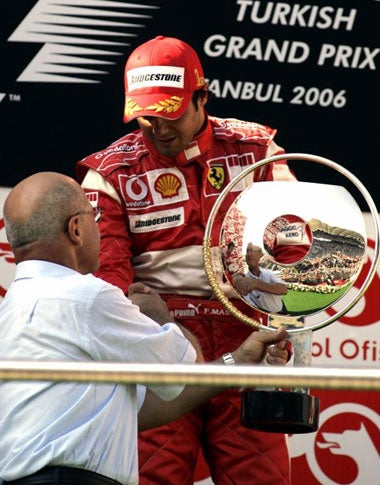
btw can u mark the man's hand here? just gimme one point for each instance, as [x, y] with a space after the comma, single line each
[269, 343]
[243, 284]
[278, 354]
[150, 303]
[154, 307]
[156, 412]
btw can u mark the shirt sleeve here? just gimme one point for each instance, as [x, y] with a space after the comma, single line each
[140, 393]
[119, 332]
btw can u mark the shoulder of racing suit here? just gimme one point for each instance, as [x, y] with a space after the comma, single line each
[233, 130]
[124, 152]
[129, 150]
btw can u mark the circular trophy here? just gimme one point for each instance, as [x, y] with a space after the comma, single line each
[291, 252]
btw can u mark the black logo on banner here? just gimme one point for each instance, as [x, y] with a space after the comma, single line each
[79, 44]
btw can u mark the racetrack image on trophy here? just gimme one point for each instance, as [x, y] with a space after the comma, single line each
[311, 238]
[319, 254]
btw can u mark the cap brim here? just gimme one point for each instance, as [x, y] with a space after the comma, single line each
[170, 106]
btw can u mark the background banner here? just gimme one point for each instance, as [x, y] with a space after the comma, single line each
[311, 71]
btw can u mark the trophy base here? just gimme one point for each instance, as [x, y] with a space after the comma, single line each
[280, 411]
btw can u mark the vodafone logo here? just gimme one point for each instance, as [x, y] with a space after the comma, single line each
[344, 449]
[136, 188]
[7, 262]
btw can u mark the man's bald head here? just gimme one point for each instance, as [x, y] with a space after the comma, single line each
[36, 208]
[254, 248]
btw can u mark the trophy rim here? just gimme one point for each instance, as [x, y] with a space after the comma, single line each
[207, 241]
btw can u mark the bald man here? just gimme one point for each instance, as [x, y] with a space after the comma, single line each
[261, 287]
[56, 310]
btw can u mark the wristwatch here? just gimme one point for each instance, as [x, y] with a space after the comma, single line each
[228, 359]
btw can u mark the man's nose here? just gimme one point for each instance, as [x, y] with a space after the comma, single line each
[159, 125]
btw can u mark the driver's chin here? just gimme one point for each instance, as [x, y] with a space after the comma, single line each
[167, 152]
[170, 150]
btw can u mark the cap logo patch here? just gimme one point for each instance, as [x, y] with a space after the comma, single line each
[131, 107]
[153, 76]
[200, 80]
[170, 105]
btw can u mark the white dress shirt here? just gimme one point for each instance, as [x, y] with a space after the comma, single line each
[264, 300]
[51, 312]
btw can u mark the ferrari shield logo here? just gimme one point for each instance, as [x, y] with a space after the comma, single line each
[216, 176]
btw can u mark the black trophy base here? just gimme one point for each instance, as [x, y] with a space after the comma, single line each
[280, 411]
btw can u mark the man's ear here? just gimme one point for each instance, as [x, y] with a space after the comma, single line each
[204, 99]
[73, 229]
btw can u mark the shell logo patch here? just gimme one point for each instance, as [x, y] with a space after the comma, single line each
[167, 185]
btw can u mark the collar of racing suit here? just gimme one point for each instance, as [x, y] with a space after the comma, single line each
[199, 145]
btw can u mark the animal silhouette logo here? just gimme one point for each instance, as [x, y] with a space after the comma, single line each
[352, 443]
[343, 450]
[194, 307]
[216, 176]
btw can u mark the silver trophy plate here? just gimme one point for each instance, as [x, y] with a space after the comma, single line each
[311, 236]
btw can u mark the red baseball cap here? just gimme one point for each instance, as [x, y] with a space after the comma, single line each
[160, 78]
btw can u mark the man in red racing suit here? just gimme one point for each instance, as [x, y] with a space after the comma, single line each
[155, 205]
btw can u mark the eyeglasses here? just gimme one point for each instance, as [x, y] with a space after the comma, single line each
[96, 212]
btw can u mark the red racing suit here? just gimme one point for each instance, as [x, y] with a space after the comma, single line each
[154, 213]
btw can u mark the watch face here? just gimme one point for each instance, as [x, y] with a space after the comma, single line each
[228, 359]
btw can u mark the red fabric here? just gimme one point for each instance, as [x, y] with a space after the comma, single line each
[288, 238]
[130, 163]
[148, 90]
[138, 243]
[234, 454]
